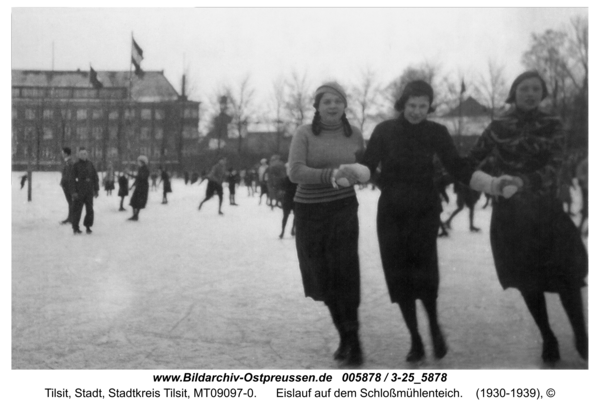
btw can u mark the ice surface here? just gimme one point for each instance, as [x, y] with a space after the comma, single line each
[189, 289]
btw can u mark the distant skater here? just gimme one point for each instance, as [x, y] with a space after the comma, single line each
[165, 179]
[287, 204]
[248, 181]
[123, 190]
[262, 179]
[465, 196]
[154, 177]
[65, 182]
[215, 183]
[232, 179]
[582, 179]
[84, 187]
[109, 181]
[139, 198]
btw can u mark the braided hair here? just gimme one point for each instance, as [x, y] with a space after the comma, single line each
[316, 122]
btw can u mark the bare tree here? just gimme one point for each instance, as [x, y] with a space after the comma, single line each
[278, 100]
[298, 98]
[492, 87]
[364, 100]
[426, 71]
[561, 56]
[241, 100]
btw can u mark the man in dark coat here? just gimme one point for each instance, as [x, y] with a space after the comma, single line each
[65, 182]
[84, 187]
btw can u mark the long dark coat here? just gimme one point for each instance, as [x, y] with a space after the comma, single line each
[409, 205]
[535, 244]
[140, 194]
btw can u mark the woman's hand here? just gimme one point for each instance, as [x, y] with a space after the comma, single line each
[509, 185]
[349, 174]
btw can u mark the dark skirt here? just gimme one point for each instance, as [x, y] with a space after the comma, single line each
[327, 245]
[536, 245]
[407, 226]
[139, 196]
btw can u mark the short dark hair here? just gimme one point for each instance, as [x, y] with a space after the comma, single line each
[415, 88]
[67, 150]
[512, 94]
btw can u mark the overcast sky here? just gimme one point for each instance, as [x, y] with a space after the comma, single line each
[220, 46]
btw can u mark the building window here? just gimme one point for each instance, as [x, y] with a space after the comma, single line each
[113, 115]
[190, 132]
[129, 132]
[113, 132]
[48, 113]
[113, 152]
[191, 113]
[81, 114]
[97, 114]
[97, 133]
[145, 151]
[85, 93]
[60, 93]
[14, 113]
[156, 153]
[146, 113]
[68, 131]
[47, 133]
[82, 132]
[129, 113]
[30, 114]
[33, 93]
[145, 133]
[158, 133]
[66, 113]
[159, 114]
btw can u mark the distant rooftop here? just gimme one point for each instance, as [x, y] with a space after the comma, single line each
[153, 86]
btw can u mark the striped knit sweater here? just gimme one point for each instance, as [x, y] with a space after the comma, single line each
[313, 159]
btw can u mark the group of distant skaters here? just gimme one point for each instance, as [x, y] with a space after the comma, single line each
[81, 184]
[536, 246]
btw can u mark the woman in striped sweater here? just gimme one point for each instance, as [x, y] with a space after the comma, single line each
[326, 213]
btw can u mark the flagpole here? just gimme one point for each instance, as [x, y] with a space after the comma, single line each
[130, 63]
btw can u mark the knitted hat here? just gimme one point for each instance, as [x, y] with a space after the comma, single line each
[415, 88]
[334, 88]
[143, 159]
[512, 94]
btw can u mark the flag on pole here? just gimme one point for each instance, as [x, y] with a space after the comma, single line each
[463, 88]
[94, 79]
[137, 55]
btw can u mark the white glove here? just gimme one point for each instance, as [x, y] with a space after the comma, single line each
[505, 185]
[350, 174]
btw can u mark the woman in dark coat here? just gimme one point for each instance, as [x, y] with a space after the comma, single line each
[535, 244]
[408, 212]
[140, 194]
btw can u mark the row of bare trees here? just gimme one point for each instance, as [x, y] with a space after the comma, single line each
[560, 55]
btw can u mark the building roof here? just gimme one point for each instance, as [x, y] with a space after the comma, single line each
[153, 86]
[469, 108]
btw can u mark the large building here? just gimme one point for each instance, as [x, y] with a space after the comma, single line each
[116, 115]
